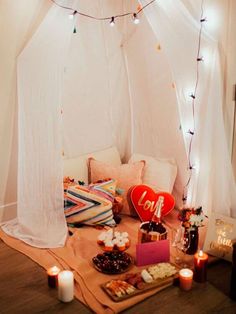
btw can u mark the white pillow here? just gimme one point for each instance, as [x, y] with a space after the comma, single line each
[77, 168]
[159, 173]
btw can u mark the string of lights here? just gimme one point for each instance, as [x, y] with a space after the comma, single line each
[199, 58]
[193, 95]
[134, 15]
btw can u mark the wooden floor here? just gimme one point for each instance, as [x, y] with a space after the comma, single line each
[23, 289]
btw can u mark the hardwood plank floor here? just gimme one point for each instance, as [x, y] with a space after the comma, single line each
[23, 289]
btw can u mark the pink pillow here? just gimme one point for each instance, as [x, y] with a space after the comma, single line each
[126, 175]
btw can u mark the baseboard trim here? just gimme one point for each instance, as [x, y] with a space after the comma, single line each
[8, 211]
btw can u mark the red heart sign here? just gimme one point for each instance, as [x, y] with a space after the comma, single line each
[144, 200]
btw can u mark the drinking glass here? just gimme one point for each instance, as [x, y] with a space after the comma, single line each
[181, 241]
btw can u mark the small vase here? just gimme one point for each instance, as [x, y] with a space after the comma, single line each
[191, 238]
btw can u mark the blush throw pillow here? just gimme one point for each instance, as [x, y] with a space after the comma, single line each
[159, 173]
[126, 175]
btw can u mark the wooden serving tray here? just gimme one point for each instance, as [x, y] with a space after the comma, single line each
[159, 283]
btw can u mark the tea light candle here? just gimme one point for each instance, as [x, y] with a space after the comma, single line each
[200, 266]
[53, 276]
[65, 286]
[185, 279]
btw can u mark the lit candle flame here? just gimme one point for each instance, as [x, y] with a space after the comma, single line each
[200, 254]
[54, 270]
[186, 273]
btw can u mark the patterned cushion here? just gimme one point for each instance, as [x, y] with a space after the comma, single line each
[108, 188]
[105, 188]
[84, 207]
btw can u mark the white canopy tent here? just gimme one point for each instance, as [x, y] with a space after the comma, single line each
[106, 86]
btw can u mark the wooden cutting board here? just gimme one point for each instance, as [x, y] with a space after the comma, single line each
[159, 283]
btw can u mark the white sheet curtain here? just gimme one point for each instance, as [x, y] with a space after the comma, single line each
[212, 184]
[40, 218]
[96, 96]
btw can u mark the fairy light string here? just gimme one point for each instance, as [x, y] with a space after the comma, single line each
[199, 59]
[193, 96]
[110, 18]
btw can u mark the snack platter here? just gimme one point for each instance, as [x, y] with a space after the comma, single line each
[125, 290]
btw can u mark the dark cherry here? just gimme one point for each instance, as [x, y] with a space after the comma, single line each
[113, 262]
[100, 256]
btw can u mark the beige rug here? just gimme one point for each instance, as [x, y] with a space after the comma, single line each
[77, 254]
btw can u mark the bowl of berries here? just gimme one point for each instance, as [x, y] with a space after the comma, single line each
[114, 262]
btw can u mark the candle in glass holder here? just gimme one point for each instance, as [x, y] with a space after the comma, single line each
[66, 286]
[53, 276]
[185, 279]
[200, 266]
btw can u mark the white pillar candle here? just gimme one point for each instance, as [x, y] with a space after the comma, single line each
[65, 286]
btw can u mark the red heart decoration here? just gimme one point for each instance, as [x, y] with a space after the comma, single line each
[143, 199]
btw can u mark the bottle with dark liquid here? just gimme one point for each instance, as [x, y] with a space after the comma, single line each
[154, 230]
[233, 275]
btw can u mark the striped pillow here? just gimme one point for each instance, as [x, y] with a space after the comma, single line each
[105, 188]
[83, 207]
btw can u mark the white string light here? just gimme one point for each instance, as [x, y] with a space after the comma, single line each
[112, 21]
[191, 95]
[191, 166]
[200, 59]
[207, 56]
[136, 20]
[190, 132]
[72, 15]
[134, 15]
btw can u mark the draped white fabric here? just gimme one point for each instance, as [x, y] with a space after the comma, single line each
[212, 184]
[114, 82]
[96, 96]
[40, 217]
[155, 117]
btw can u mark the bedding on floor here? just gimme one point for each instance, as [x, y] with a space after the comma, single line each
[77, 256]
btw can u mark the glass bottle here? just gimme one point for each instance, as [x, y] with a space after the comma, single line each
[154, 230]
